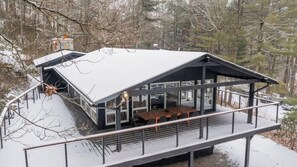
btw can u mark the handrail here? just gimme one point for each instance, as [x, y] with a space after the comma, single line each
[13, 100]
[244, 95]
[146, 127]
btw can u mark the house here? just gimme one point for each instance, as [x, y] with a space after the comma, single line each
[152, 79]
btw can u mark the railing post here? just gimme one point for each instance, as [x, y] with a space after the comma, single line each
[66, 156]
[239, 101]
[277, 108]
[26, 159]
[1, 139]
[222, 98]
[33, 95]
[27, 100]
[233, 118]
[38, 92]
[103, 150]
[256, 121]
[143, 138]
[19, 106]
[8, 112]
[176, 132]
[4, 123]
[207, 128]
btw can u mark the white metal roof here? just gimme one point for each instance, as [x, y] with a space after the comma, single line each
[102, 73]
[53, 56]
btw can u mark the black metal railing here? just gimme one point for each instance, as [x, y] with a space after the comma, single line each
[134, 142]
[7, 112]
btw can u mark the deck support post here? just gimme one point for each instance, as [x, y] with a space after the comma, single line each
[251, 102]
[214, 97]
[118, 122]
[195, 96]
[247, 150]
[1, 138]
[202, 94]
[191, 159]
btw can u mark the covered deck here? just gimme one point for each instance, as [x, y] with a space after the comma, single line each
[139, 145]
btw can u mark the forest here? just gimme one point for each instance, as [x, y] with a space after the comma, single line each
[258, 34]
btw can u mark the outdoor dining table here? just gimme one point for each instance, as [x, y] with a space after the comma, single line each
[156, 114]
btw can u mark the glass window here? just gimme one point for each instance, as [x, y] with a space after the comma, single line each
[110, 112]
[124, 116]
[157, 100]
[110, 118]
[93, 114]
[208, 95]
[187, 97]
[172, 97]
[139, 103]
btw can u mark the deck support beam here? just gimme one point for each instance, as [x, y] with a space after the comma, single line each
[251, 102]
[247, 151]
[191, 159]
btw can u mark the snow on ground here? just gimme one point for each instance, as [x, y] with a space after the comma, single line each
[264, 153]
[47, 112]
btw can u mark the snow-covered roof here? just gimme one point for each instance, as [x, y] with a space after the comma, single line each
[103, 74]
[55, 56]
[107, 71]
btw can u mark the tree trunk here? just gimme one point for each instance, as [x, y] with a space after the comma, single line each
[286, 74]
[293, 76]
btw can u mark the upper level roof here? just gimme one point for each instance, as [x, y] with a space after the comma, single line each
[106, 72]
[57, 58]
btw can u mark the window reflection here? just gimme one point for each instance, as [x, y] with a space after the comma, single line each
[187, 97]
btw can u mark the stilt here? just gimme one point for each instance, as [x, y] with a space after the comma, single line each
[247, 151]
[191, 159]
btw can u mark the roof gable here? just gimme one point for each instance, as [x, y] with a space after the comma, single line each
[56, 58]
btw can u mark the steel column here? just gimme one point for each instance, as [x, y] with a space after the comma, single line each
[222, 98]
[66, 156]
[277, 108]
[118, 122]
[33, 92]
[26, 96]
[214, 103]
[247, 151]
[251, 103]
[202, 94]
[8, 112]
[19, 106]
[176, 132]
[191, 159]
[233, 118]
[207, 127]
[143, 138]
[195, 96]
[26, 159]
[103, 150]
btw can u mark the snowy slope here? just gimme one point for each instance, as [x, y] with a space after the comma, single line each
[264, 153]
